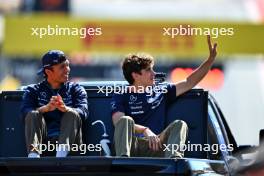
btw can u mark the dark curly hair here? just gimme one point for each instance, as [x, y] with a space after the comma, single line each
[135, 63]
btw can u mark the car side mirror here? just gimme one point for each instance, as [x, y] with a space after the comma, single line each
[261, 137]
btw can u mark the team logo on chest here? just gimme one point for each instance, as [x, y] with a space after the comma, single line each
[43, 95]
[43, 98]
[132, 99]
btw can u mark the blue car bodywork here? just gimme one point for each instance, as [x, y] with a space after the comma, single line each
[207, 127]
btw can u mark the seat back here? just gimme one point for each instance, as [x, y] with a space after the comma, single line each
[98, 128]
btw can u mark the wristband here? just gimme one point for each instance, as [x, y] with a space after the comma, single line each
[144, 129]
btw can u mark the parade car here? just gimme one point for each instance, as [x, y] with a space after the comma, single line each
[210, 143]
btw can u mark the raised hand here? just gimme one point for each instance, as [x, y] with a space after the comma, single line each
[212, 50]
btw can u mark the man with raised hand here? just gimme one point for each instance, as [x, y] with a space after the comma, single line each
[54, 108]
[138, 113]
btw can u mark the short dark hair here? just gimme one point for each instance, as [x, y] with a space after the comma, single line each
[135, 63]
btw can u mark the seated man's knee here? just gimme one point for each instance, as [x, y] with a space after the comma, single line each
[72, 114]
[125, 119]
[32, 115]
[180, 123]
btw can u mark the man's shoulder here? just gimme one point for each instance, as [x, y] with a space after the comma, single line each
[73, 84]
[164, 88]
[70, 83]
[74, 87]
[164, 85]
[120, 95]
